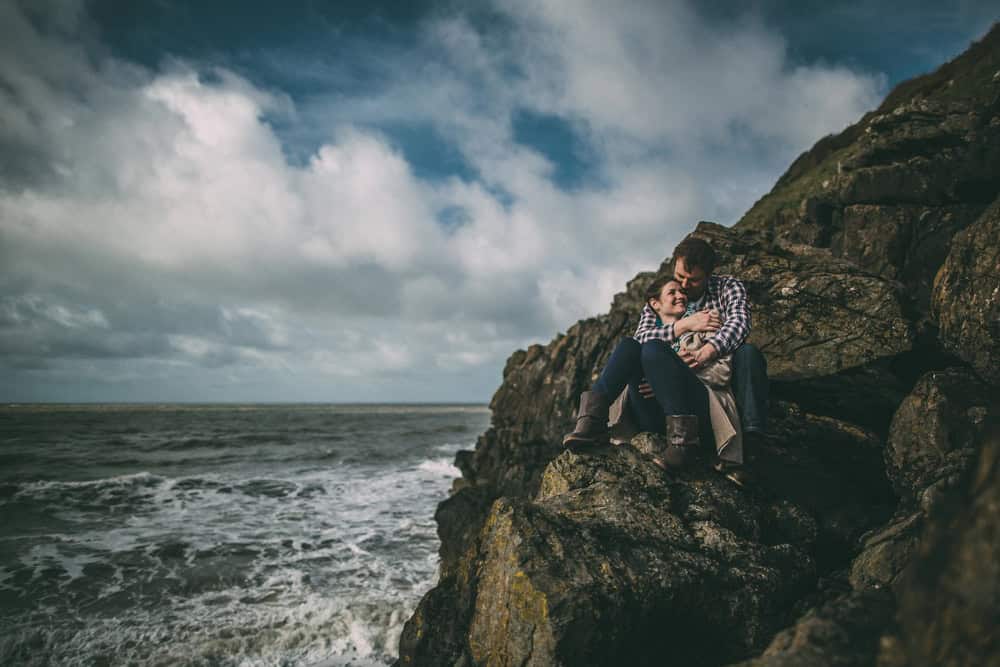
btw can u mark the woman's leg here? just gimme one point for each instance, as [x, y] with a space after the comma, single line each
[677, 389]
[648, 412]
[592, 416]
[623, 367]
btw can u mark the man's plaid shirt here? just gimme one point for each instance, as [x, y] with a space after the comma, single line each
[723, 293]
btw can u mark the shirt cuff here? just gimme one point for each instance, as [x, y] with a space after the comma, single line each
[718, 350]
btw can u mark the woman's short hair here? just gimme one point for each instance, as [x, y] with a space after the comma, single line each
[696, 253]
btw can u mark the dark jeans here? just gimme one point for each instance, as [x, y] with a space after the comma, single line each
[750, 387]
[677, 390]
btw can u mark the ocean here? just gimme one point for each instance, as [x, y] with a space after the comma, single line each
[220, 534]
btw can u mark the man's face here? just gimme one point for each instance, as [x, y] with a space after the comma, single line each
[693, 280]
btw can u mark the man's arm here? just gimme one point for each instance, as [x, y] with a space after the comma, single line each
[736, 313]
[648, 328]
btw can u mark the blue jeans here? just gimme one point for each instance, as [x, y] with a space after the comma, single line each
[750, 387]
[677, 390]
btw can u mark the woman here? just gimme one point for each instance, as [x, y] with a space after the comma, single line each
[680, 407]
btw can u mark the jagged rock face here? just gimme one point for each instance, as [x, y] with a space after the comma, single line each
[610, 541]
[891, 190]
[933, 434]
[830, 468]
[949, 605]
[885, 553]
[933, 443]
[905, 242]
[843, 632]
[616, 562]
[967, 295]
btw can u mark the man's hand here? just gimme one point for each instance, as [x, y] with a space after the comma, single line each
[646, 389]
[705, 321]
[703, 356]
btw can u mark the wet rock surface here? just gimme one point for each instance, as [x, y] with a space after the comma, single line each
[870, 536]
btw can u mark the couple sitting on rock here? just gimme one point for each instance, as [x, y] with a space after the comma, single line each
[677, 375]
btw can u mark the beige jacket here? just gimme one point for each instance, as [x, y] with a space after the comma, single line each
[724, 416]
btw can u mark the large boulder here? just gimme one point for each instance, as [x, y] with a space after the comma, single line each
[616, 562]
[950, 603]
[932, 443]
[967, 295]
[934, 432]
[886, 552]
[843, 632]
[830, 468]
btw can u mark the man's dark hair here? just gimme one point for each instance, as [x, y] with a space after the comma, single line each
[696, 253]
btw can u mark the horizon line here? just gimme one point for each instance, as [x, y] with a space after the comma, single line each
[151, 403]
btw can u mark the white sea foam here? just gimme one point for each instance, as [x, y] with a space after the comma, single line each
[118, 480]
[246, 564]
[331, 573]
[440, 467]
[454, 446]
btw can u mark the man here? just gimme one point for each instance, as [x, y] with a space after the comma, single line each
[722, 309]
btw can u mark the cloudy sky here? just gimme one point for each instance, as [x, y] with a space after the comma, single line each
[310, 201]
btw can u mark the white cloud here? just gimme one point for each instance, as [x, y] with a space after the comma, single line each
[160, 205]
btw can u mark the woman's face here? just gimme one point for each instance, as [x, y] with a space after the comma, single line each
[672, 302]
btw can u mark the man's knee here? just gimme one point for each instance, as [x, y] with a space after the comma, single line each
[749, 355]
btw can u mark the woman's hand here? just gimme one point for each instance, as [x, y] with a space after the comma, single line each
[705, 321]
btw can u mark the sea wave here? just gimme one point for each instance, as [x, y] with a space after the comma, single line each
[442, 467]
[244, 554]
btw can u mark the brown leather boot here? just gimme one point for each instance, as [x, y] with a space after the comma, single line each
[682, 438]
[591, 422]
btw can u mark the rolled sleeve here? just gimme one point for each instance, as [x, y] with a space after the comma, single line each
[735, 307]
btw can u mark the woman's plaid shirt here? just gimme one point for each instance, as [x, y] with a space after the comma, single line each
[723, 293]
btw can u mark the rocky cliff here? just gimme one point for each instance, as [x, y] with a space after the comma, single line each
[873, 268]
